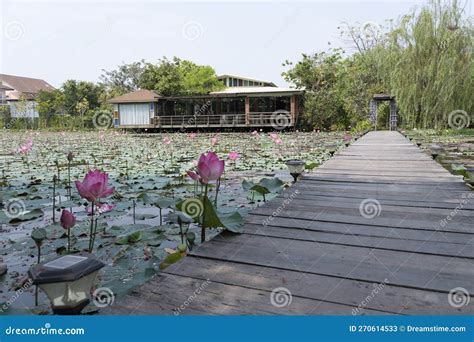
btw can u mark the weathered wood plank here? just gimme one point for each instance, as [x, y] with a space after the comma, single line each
[359, 263]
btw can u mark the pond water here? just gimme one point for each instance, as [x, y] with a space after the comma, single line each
[136, 163]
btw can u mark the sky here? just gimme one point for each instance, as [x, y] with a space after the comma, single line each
[58, 40]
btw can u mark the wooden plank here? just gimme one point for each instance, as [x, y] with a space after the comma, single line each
[390, 220]
[343, 291]
[407, 269]
[177, 294]
[393, 242]
[361, 229]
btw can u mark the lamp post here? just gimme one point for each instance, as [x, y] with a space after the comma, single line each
[67, 281]
[296, 168]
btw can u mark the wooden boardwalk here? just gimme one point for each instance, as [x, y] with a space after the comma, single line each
[378, 229]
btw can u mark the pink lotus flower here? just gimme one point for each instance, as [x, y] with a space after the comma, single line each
[278, 141]
[233, 156]
[100, 208]
[273, 136]
[209, 168]
[94, 186]
[24, 149]
[347, 137]
[213, 141]
[166, 140]
[254, 133]
[192, 135]
[67, 220]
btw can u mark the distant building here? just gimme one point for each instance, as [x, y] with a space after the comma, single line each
[15, 88]
[245, 102]
[241, 81]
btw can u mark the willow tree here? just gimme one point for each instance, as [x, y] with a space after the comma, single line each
[429, 64]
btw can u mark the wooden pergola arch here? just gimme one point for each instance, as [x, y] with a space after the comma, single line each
[374, 103]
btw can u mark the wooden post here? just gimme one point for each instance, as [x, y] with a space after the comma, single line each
[247, 110]
[293, 109]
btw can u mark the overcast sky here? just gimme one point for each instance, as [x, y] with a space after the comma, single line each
[60, 40]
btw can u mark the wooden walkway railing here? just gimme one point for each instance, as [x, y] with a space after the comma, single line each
[378, 229]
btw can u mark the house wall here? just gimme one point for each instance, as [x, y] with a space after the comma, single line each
[135, 113]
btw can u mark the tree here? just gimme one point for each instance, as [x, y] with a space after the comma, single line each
[318, 74]
[425, 61]
[179, 77]
[164, 77]
[126, 78]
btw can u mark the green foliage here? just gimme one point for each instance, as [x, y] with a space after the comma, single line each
[425, 61]
[71, 106]
[124, 79]
[179, 77]
[361, 126]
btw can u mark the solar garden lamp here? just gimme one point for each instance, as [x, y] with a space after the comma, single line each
[296, 168]
[67, 281]
[332, 151]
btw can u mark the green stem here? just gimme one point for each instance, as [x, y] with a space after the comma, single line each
[36, 287]
[134, 204]
[69, 240]
[218, 185]
[54, 199]
[91, 232]
[203, 225]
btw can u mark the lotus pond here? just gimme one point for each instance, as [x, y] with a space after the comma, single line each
[138, 231]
